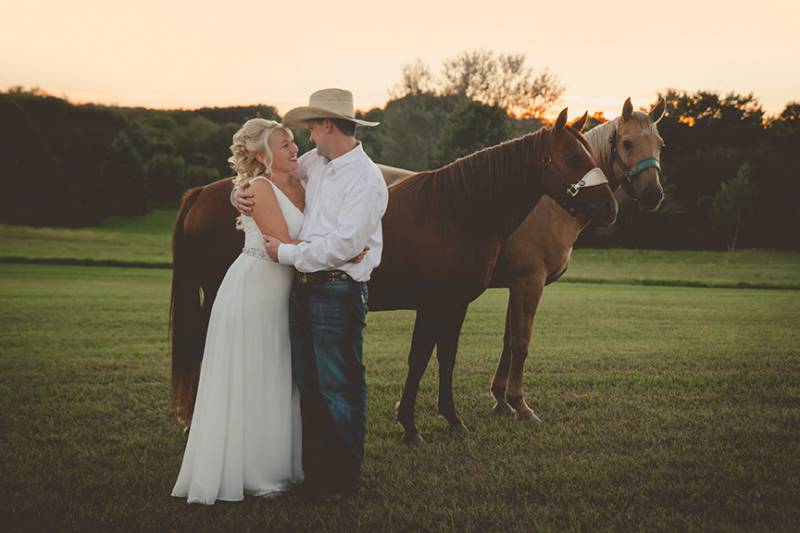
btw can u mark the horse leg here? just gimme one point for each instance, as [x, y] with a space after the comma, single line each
[500, 379]
[446, 350]
[422, 344]
[522, 303]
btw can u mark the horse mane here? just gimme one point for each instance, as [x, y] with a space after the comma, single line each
[489, 191]
[601, 148]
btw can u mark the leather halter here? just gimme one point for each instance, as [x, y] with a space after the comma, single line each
[594, 177]
[631, 172]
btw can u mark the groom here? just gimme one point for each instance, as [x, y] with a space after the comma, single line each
[346, 197]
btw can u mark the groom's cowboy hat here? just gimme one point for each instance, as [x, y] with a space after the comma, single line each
[326, 103]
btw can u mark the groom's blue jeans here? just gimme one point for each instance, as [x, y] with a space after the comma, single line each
[327, 323]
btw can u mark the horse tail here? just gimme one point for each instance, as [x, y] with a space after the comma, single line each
[185, 315]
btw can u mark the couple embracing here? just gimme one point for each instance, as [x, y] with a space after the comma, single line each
[282, 393]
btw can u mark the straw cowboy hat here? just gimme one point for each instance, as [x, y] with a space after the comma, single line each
[326, 103]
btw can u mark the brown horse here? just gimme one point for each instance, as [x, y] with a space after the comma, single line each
[443, 231]
[538, 252]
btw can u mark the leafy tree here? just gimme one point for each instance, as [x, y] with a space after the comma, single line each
[415, 78]
[731, 205]
[411, 127]
[791, 113]
[165, 172]
[472, 126]
[373, 139]
[124, 172]
[28, 165]
[502, 80]
[197, 175]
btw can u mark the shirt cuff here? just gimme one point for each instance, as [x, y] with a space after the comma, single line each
[286, 254]
[230, 198]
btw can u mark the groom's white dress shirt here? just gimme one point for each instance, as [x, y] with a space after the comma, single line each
[345, 200]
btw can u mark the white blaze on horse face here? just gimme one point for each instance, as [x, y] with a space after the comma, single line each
[587, 151]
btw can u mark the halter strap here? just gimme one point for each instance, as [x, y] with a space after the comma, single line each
[594, 177]
[631, 172]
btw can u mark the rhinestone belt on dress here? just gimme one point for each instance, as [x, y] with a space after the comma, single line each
[256, 252]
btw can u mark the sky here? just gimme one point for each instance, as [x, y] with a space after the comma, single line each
[180, 54]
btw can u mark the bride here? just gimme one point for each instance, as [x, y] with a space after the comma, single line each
[245, 432]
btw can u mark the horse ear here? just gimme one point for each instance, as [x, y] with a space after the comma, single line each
[627, 109]
[658, 110]
[580, 123]
[561, 121]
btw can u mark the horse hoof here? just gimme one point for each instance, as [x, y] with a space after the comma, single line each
[502, 409]
[459, 427]
[528, 416]
[455, 423]
[413, 439]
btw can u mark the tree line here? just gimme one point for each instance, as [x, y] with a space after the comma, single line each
[731, 173]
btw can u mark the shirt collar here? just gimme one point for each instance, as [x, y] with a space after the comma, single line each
[345, 159]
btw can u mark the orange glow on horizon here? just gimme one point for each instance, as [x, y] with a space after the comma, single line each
[178, 55]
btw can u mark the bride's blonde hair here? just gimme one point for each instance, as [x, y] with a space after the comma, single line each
[249, 142]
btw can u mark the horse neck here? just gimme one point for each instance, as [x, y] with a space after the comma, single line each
[502, 182]
[598, 137]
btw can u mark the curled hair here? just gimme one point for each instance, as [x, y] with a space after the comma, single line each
[249, 142]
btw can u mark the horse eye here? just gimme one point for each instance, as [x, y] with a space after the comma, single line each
[627, 144]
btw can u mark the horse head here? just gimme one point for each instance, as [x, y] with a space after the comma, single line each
[636, 154]
[571, 175]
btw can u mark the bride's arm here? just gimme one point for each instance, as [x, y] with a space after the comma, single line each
[267, 212]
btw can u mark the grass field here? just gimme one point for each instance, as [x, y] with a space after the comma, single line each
[664, 408]
[145, 240]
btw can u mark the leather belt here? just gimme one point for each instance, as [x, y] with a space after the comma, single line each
[323, 276]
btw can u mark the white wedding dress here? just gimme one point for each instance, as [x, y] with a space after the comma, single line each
[245, 435]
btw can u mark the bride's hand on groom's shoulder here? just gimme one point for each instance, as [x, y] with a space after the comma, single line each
[243, 198]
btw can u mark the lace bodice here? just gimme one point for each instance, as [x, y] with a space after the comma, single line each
[292, 215]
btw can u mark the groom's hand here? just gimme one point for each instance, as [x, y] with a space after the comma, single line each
[243, 198]
[271, 244]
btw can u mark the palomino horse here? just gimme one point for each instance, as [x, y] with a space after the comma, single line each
[628, 149]
[538, 252]
[443, 231]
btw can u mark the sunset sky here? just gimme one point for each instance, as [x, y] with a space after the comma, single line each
[202, 53]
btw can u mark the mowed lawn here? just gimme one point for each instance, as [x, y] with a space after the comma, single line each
[664, 408]
[142, 239]
[145, 240]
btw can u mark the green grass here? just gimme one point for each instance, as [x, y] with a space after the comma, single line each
[744, 268]
[145, 240]
[664, 408]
